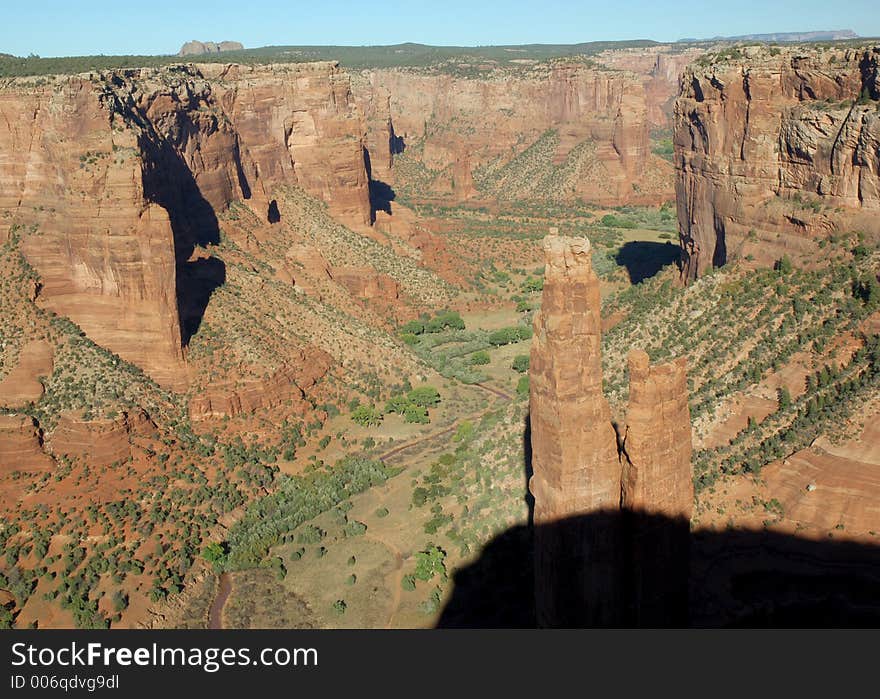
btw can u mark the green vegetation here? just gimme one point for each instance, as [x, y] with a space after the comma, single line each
[268, 521]
[453, 59]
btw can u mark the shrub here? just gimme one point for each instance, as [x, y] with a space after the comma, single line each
[416, 414]
[424, 396]
[480, 358]
[521, 363]
[522, 386]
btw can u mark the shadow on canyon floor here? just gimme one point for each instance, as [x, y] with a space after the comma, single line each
[169, 182]
[734, 578]
[655, 572]
[643, 259]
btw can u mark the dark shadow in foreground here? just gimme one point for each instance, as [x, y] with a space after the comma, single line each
[732, 578]
[643, 259]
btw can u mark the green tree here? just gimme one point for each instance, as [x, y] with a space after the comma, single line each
[424, 396]
[480, 358]
[366, 415]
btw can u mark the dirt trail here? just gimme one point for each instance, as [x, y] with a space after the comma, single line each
[224, 590]
[506, 397]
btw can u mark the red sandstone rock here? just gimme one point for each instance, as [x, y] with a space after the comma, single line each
[21, 445]
[367, 283]
[289, 383]
[99, 441]
[657, 492]
[657, 471]
[768, 147]
[576, 471]
[22, 385]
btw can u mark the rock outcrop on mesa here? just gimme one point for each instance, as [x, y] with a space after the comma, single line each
[22, 385]
[97, 441]
[199, 48]
[113, 182]
[21, 445]
[597, 562]
[287, 384]
[774, 150]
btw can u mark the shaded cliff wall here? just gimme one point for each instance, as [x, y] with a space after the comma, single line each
[112, 180]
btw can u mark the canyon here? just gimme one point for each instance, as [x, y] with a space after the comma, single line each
[225, 285]
[566, 130]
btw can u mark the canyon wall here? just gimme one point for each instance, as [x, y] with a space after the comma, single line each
[611, 503]
[775, 149]
[561, 130]
[112, 181]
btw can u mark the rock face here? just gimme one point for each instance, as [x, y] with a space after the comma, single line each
[21, 445]
[289, 383]
[198, 48]
[367, 283]
[657, 480]
[574, 448]
[590, 567]
[775, 149]
[22, 385]
[95, 441]
[590, 129]
[123, 173]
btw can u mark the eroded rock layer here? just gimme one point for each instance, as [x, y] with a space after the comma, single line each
[21, 445]
[22, 385]
[775, 149]
[287, 384]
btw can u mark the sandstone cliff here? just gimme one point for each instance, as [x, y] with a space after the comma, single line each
[594, 484]
[774, 149]
[113, 180]
[21, 445]
[558, 131]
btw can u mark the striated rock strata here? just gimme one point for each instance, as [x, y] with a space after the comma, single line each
[21, 445]
[775, 149]
[288, 383]
[100, 441]
[595, 499]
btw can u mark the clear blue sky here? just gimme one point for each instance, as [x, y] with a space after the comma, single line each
[76, 27]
